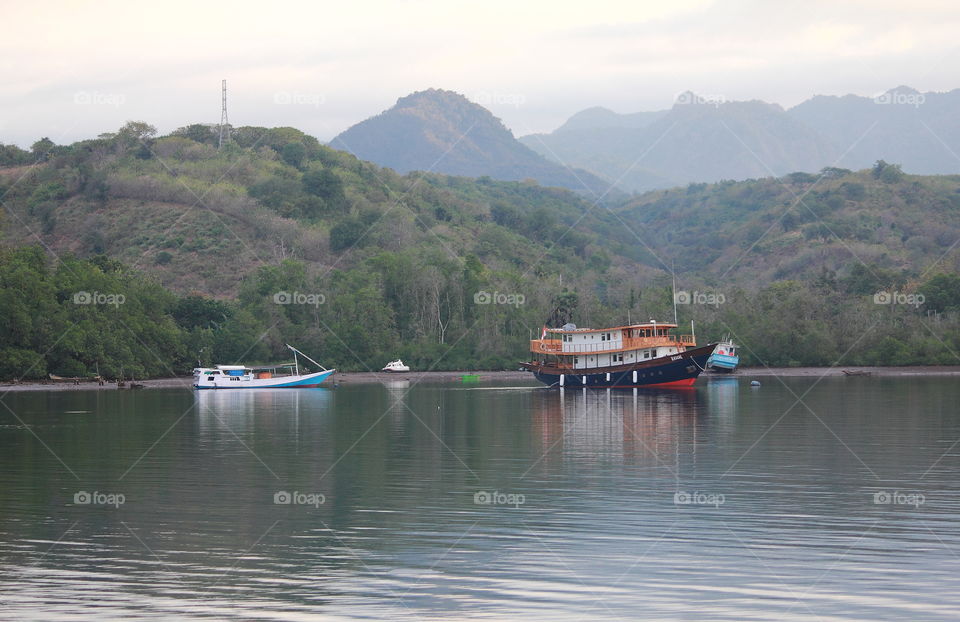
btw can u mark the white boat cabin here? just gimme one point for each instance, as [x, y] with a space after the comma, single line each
[588, 348]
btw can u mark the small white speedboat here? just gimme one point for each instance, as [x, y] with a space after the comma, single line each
[396, 366]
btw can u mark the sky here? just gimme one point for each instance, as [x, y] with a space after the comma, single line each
[73, 70]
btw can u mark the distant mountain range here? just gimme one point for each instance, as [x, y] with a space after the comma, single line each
[705, 140]
[444, 132]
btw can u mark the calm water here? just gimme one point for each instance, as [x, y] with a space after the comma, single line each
[721, 503]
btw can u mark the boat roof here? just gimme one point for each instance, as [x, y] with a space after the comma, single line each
[249, 367]
[574, 329]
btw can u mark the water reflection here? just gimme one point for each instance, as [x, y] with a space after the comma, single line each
[638, 427]
[600, 535]
[240, 409]
[722, 398]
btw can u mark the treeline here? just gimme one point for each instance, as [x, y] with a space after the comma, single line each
[82, 317]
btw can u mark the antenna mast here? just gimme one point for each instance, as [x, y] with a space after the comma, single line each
[224, 124]
[674, 292]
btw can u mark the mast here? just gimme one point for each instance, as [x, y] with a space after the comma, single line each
[674, 275]
[296, 352]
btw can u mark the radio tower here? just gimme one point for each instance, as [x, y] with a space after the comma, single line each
[224, 124]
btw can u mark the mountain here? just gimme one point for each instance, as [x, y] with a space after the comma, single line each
[599, 117]
[920, 131]
[699, 140]
[695, 141]
[443, 132]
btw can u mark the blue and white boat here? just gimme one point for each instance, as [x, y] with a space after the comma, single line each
[724, 358]
[285, 376]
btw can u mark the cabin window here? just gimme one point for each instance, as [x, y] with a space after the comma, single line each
[646, 354]
[618, 358]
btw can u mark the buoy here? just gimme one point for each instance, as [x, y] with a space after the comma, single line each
[754, 383]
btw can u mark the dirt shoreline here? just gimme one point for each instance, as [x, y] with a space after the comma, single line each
[186, 382]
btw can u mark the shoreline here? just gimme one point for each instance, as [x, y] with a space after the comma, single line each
[186, 382]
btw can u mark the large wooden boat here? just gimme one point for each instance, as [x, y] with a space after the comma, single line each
[622, 357]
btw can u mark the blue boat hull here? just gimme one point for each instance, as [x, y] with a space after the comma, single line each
[723, 363]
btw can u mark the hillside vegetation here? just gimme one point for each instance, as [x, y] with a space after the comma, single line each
[225, 255]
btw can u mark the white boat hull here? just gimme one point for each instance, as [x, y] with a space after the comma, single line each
[303, 381]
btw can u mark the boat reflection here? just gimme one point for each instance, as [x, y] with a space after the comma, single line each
[240, 408]
[723, 398]
[640, 427]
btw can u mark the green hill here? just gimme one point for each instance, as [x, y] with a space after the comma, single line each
[799, 226]
[225, 255]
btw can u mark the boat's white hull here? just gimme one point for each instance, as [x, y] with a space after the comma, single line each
[303, 381]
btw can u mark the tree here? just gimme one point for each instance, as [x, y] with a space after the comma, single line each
[887, 173]
[198, 132]
[41, 149]
[346, 234]
[324, 183]
[564, 307]
[293, 154]
[136, 131]
[942, 292]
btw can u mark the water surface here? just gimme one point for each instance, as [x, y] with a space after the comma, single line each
[834, 499]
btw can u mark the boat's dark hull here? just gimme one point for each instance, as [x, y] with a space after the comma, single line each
[678, 370]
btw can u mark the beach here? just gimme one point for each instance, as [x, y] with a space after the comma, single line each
[186, 382]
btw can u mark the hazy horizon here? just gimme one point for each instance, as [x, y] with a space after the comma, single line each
[322, 68]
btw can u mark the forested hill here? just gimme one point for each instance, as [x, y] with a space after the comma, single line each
[140, 254]
[377, 265]
[802, 226]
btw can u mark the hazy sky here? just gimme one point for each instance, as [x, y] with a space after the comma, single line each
[72, 70]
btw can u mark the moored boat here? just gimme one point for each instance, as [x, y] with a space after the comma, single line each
[622, 357]
[286, 376]
[724, 358]
[395, 367]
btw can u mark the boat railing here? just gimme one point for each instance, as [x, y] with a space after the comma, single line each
[556, 346]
